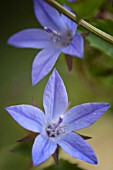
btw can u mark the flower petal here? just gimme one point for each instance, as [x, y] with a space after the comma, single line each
[75, 146]
[30, 38]
[76, 47]
[70, 24]
[42, 149]
[84, 115]
[55, 97]
[29, 117]
[43, 63]
[48, 16]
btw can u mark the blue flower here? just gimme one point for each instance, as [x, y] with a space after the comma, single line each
[57, 125]
[58, 35]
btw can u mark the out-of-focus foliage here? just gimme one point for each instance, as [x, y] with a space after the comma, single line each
[86, 8]
[62, 1]
[23, 148]
[99, 43]
[63, 165]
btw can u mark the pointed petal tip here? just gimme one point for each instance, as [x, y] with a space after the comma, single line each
[35, 163]
[107, 105]
[8, 108]
[10, 42]
[81, 56]
[55, 71]
[56, 74]
[92, 158]
[35, 79]
[94, 161]
[34, 83]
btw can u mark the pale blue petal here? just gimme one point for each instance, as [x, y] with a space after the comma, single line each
[76, 47]
[29, 117]
[43, 63]
[42, 149]
[48, 16]
[55, 98]
[30, 38]
[75, 146]
[84, 115]
[70, 24]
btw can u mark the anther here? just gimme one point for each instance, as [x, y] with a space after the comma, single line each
[61, 119]
[50, 30]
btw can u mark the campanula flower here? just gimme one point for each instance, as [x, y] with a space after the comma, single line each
[58, 35]
[56, 125]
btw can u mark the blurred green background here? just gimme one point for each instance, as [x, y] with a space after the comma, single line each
[91, 80]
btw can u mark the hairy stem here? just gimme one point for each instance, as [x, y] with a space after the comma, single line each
[81, 22]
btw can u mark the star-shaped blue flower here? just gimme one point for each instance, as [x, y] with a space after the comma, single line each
[58, 35]
[57, 125]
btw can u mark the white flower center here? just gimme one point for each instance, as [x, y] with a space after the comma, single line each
[61, 39]
[54, 129]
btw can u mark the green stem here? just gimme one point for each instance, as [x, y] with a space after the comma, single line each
[81, 22]
[96, 31]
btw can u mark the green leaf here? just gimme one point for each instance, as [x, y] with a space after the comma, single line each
[63, 165]
[62, 1]
[99, 43]
[86, 8]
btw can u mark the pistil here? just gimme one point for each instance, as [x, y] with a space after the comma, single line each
[54, 129]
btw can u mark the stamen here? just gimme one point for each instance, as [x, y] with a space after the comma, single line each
[54, 130]
[61, 119]
[60, 39]
[50, 30]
